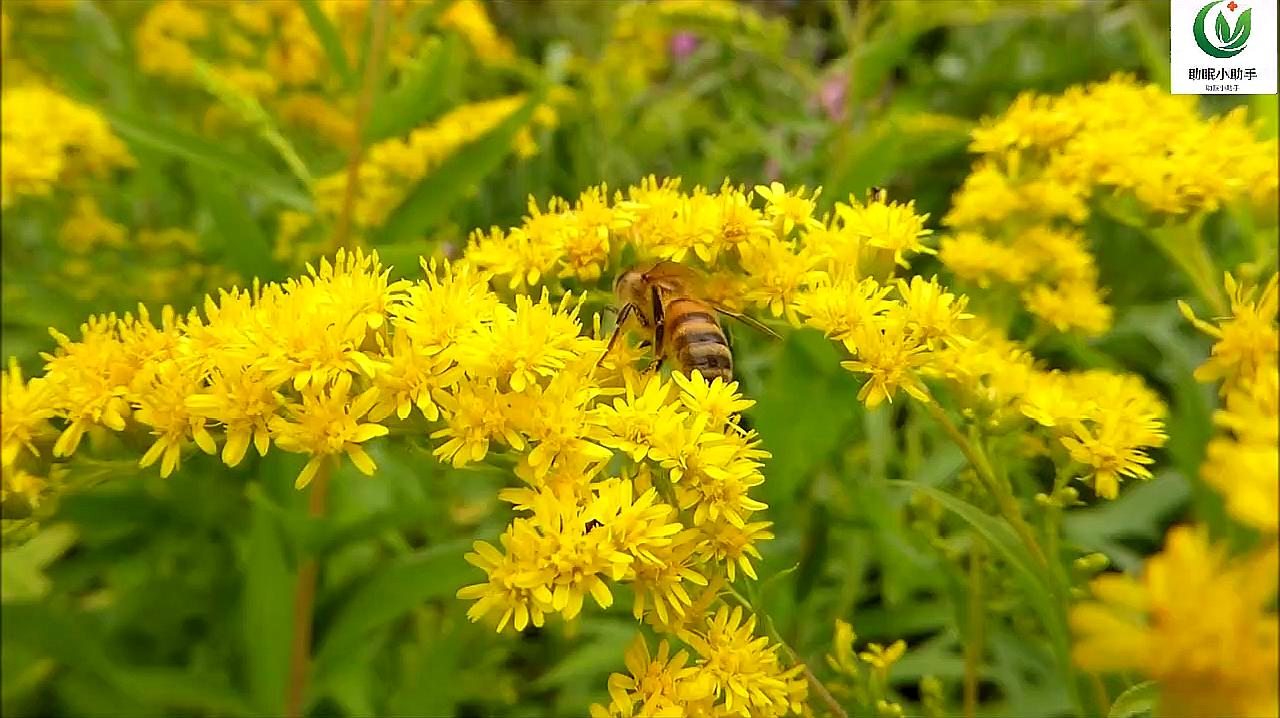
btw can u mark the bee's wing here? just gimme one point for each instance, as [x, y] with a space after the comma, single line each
[673, 277]
[749, 321]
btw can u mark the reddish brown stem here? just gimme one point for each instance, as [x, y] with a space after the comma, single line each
[372, 69]
[304, 599]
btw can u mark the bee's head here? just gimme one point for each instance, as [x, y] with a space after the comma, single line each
[629, 287]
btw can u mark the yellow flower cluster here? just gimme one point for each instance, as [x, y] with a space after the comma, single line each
[1220, 661]
[864, 675]
[735, 674]
[1132, 139]
[1200, 623]
[270, 52]
[835, 274]
[101, 259]
[1243, 462]
[1146, 155]
[49, 140]
[322, 364]
[394, 166]
[470, 20]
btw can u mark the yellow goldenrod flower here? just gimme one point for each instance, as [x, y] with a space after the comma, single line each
[1200, 623]
[657, 685]
[882, 658]
[1069, 306]
[791, 208]
[838, 307]
[891, 226]
[49, 140]
[471, 21]
[1247, 341]
[985, 198]
[929, 313]
[85, 228]
[634, 421]
[18, 482]
[326, 423]
[163, 406]
[476, 414]
[89, 381]
[505, 589]
[25, 409]
[718, 400]
[163, 39]
[889, 355]
[743, 669]
[972, 257]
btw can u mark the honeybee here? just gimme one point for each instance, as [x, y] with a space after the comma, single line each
[667, 300]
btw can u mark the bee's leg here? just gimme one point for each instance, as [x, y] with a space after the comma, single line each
[659, 325]
[623, 314]
[654, 366]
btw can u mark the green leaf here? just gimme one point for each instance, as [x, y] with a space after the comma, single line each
[330, 41]
[1222, 29]
[433, 197]
[596, 655]
[182, 690]
[391, 592]
[890, 147]
[424, 86]
[1139, 513]
[244, 246]
[210, 156]
[266, 611]
[1241, 35]
[75, 642]
[1001, 536]
[1138, 699]
[22, 571]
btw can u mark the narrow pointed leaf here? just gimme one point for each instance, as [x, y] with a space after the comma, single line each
[418, 97]
[209, 155]
[437, 193]
[329, 40]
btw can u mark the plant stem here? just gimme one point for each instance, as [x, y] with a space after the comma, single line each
[304, 598]
[372, 69]
[832, 704]
[998, 489]
[973, 649]
[1184, 246]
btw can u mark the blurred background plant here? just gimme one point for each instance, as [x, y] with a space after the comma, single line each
[158, 152]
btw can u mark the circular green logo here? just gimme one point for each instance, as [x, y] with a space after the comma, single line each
[1228, 41]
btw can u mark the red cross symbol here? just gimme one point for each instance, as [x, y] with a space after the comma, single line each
[1232, 6]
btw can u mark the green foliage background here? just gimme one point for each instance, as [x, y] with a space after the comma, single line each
[133, 595]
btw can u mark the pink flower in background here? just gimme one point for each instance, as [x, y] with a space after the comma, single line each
[832, 96]
[683, 44]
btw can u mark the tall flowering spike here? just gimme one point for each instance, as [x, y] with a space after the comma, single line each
[1208, 662]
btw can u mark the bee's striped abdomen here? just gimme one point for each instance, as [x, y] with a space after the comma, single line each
[697, 340]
